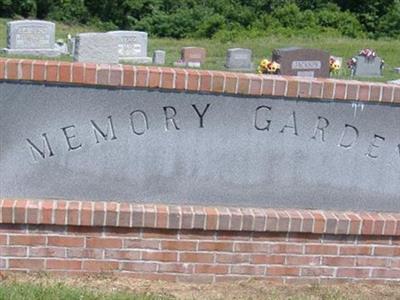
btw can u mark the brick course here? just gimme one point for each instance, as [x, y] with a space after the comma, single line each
[128, 76]
[202, 251]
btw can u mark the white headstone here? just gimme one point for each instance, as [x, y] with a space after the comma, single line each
[96, 48]
[31, 37]
[132, 46]
[368, 67]
[159, 57]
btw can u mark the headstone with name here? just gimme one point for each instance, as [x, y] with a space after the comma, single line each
[31, 37]
[132, 46]
[368, 66]
[302, 62]
[96, 48]
[239, 59]
[159, 57]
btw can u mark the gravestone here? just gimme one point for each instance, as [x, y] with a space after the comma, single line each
[31, 37]
[397, 81]
[159, 57]
[132, 46]
[151, 146]
[239, 59]
[397, 70]
[368, 67]
[96, 48]
[302, 62]
[193, 54]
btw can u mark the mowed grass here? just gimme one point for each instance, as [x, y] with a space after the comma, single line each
[262, 47]
[60, 291]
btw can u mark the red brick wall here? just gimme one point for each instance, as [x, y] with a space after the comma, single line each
[198, 244]
[128, 76]
[190, 243]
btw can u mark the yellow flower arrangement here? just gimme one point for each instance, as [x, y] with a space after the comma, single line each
[268, 67]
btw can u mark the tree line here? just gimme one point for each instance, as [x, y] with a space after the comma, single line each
[226, 19]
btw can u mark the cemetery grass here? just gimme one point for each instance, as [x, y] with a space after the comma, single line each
[261, 46]
[42, 286]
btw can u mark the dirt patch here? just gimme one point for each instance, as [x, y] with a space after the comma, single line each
[240, 290]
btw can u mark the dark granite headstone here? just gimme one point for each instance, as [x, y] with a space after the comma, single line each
[150, 146]
[302, 62]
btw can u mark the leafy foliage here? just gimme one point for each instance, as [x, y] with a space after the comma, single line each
[209, 18]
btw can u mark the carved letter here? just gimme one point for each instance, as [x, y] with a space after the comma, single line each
[321, 128]
[146, 124]
[69, 137]
[201, 115]
[350, 143]
[42, 153]
[374, 145]
[293, 116]
[170, 117]
[97, 130]
[268, 122]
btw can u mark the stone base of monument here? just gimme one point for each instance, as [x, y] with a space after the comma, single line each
[189, 64]
[32, 52]
[137, 60]
[243, 69]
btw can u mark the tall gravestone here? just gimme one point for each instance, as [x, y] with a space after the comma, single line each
[96, 48]
[368, 67]
[31, 37]
[302, 62]
[132, 46]
[239, 59]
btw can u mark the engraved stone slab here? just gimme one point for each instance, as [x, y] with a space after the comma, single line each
[152, 146]
[159, 57]
[368, 67]
[239, 59]
[31, 37]
[193, 54]
[302, 62]
[96, 48]
[132, 46]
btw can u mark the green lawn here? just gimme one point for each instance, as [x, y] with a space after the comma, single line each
[59, 291]
[262, 48]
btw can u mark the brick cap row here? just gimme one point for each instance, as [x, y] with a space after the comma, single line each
[203, 81]
[117, 214]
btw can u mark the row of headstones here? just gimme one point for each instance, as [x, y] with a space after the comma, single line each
[33, 37]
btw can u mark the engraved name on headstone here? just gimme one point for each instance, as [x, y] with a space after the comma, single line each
[132, 46]
[239, 59]
[31, 37]
[96, 48]
[302, 62]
